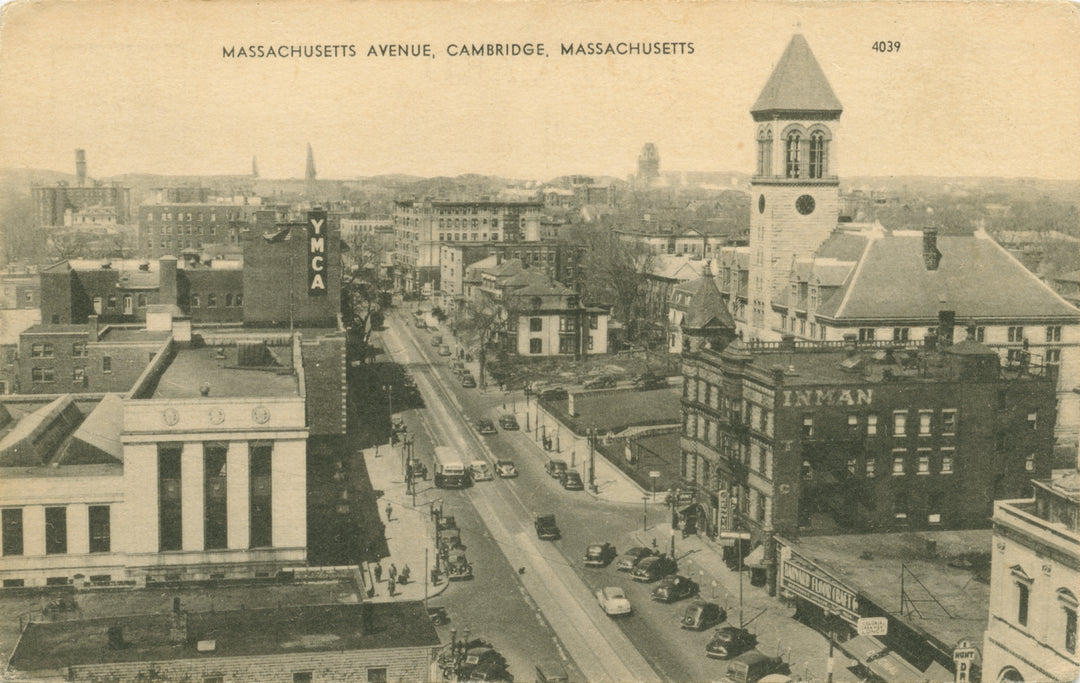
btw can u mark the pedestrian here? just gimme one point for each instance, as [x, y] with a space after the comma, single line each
[389, 510]
[393, 573]
[378, 572]
[405, 574]
[390, 586]
[377, 451]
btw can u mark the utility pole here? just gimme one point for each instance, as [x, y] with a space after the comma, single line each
[592, 459]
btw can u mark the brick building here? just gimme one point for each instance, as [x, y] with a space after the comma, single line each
[192, 220]
[365, 643]
[20, 308]
[812, 438]
[57, 205]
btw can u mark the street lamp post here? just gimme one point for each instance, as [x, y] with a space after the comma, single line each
[644, 513]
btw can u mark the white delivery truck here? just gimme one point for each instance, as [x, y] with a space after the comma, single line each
[450, 471]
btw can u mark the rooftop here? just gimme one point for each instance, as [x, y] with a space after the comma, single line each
[797, 84]
[237, 633]
[272, 376]
[871, 564]
[615, 411]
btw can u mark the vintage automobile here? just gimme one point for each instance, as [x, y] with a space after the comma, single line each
[506, 469]
[416, 470]
[700, 615]
[629, 559]
[508, 422]
[674, 587]
[554, 394]
[571, 481]
[599, 554]
[444, 350]
[613, 601]
[457, 565]
[485, 426]
[602, 382]
[750, 667]
[555, 468]
[479, 470]
[730, 641]
[468, 381]
[648, 381]
[546, 528]
[653, 568]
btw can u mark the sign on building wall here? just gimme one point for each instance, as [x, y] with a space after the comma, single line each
[317, 266]
[807, 583]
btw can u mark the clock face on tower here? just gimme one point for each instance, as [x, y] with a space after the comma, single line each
[761, 203]
[805, 205]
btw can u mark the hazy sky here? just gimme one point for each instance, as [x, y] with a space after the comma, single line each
[975, 88]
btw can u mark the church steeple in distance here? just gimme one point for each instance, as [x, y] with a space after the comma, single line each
[254, 167]
[795, 190]
[309, 172]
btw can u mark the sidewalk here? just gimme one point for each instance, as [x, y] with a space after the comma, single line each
[408, 532]
[803, 648]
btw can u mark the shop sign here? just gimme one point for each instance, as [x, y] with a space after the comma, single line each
[316, 256]
[820, 590]
[873, 626]
[828, 397]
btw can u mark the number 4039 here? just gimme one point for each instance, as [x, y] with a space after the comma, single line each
[886, 46]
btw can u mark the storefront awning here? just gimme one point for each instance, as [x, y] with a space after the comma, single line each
[756, 558]
[875, 656]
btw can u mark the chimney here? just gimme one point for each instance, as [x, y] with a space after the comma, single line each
[946, 323]
[93, 328]
[80, 167]
[850, 344]
[167, 290]
[177, 624]
[931, 255]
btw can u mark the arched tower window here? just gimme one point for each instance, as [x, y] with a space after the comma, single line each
[791, 154]
[818, 155]
[764, 163]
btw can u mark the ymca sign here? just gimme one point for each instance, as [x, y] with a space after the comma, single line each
[316, 256]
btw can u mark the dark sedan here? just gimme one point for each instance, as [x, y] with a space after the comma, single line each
[571, 481]
[674, 587]
[629, 559]
[599, 555]
[508, 422]
[730, 641]
[653, 568]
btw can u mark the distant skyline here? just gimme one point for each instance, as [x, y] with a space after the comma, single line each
[975, 89]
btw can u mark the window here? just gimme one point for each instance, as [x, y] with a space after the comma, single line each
[111, 301]
[1033, 420]
[211, 300]
[106, 363]
[870, 468]
[302, 677]
[43, 350]
[78, 375]
[1023, 591]
[100, 541]
[78, 350]
[1016, 334]
[900, 334]
[536, 324]
[42, 375]
[566, 345]
[228, 297]
[818, 154]
[593, 322]
[900, 505]
[764, 166]
[536, 346]
[259, 482]
[55, 531]
[215, 525]
[1068, 605]
[899, 423]
[1053, 356]
[851, 463]
[924, 463]
[947, 462]
[948, 422]
[11, 519]
[791, 154]
[924, 422]
[97, 299]
[980, 334]
[1029, 462]
[898, 465]
[376, 675]
[866, 334]
[194, 300]
[871, 425]
[808, 424]
[239, 300]
[853, 425]
[1053, 333]
[170, 527]
[567, 324]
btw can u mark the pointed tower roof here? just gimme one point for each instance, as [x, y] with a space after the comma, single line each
[797, 84]
[706, 308]
[309, 173]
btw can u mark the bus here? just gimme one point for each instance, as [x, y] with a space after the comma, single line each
[450, 471]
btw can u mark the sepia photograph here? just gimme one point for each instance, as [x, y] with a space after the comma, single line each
[498, 340]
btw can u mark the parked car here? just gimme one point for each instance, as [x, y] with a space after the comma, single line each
[479, 659]
[486, 426]
[479, 470]
[436, 339]
[599, 554]
[629, 559]
[448, 538]
[555, 468]
[444, 350]
[674, 587]
[653, 568]
[730, 641]
[649, 381]
[508, 422]
[613, 601]
[554, 394]
[546, 528]
[548, 671]
[602, 382]
[700, 615]
[750, 667]
[468, 381]
[506, 468]
[571, 481]
[457, 565]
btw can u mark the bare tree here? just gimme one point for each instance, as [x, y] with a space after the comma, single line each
[364, 257]
[614, 272]
[476, 325]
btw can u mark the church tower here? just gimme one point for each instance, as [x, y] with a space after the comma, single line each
[794, 190]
